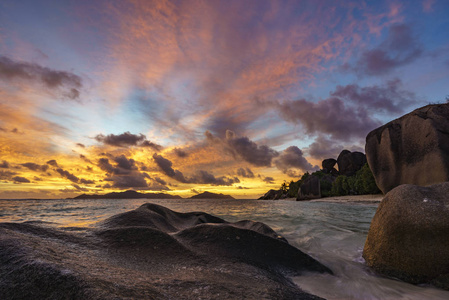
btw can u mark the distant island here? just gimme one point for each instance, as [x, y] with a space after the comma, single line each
[209, 195]
[129, 195]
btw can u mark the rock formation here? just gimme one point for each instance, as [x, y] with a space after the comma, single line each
[350, 162]
[273, 195]
[151, 253]
[413, 149]
[309, 189]
[408, 237]
[328, 166]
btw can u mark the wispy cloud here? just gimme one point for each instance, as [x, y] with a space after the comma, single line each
[11, 70]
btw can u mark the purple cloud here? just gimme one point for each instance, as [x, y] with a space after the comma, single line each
[14, 70]
[249, 151]
[126, 139]
[348, 112]
[399, 48]
[292, 157]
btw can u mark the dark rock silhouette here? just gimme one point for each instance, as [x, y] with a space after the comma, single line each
[413, 149]
[273, 195]
[209, 195]
[151, 253]
[328, 165]
[350, 162]
[310, 189]
[408, 237]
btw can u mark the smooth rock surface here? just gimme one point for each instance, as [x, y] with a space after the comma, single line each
[350, 162]
[150, 253]
[409, 235]
[413, 149]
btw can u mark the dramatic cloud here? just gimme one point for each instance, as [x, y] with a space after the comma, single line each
[160, 181]
[245, 172]
[348, 112]
[323, 148]
[14, 70]
[78, 188]
[135, 180]
[292, 157]
[52, 163]
[35, 167]
[20, 179]
[208, 178]
[249, 151]
[389, 98]
[201, 176]
[165, 166]
[125, 163]
[105, 165]
[68, 175]
[330, 116]
[127, 139]
[83, 157]
[6, 175]
[86, 181]
[399, 48]
[268, 179]
[123, 172]
[4, 165]
[180, 153]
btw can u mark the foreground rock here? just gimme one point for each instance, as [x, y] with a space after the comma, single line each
[150, 253]
[409, 235]
[413, 149]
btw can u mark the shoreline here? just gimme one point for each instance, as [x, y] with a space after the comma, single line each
[363, 199]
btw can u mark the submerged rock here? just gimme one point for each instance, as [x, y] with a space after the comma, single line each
[408, 237]
[413, 149]
[151, 253]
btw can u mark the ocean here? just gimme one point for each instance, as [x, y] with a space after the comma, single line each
[333, 233]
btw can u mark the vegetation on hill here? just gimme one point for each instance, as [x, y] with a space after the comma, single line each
[361, 183]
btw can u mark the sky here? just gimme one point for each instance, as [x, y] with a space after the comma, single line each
[182, 97]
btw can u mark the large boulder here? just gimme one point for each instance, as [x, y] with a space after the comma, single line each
[350, 162]
[413, 149]
[409, 235]
[309, 189]
[328, 166]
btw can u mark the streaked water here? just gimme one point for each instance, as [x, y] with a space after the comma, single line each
[333, 233]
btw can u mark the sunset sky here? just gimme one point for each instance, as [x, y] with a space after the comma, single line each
[188, 96]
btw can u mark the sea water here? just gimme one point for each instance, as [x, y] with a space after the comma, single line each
[333, 233]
